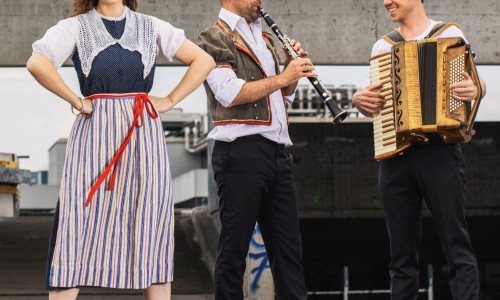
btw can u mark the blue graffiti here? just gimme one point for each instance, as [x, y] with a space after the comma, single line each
[261, 255]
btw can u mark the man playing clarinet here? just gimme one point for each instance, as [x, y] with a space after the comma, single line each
[253, 171]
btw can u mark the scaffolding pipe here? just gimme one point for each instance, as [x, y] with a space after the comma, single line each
[346, 292]
[346, 283]
[198, 145]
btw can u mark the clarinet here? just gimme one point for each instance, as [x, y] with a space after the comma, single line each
[337, 113]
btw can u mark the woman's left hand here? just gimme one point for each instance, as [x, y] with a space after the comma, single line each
[162, 104]
[465, 90]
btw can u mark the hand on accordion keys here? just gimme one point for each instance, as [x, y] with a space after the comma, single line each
[465, 90]
[368, 100]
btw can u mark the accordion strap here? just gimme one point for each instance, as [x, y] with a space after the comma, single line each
[395, 36]
[440, 27]
[480, 93]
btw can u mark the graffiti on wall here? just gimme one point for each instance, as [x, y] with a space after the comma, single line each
[259, 261]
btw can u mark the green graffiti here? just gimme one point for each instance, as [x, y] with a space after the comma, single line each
[318, 193]
[425, 208]
[378, 203]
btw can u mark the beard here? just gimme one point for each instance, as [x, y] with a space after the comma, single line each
[253, 15]
[250, 14]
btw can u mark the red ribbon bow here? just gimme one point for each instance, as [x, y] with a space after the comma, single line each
[141, 101]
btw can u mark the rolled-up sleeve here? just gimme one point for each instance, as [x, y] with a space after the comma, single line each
[170, 38]
[222, 80]
[289, 99]
[225, 85]
[58, 44]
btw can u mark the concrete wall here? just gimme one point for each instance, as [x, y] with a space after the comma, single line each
[42, 197]
[7, 205]
[343, 182]
[57, 153]
[182, 161]
[190, 185]
[334, 31]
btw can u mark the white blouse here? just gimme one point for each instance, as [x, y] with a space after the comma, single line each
[148, 35]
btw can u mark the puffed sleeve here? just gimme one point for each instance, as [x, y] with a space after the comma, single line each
[170, 38]
[58, 44]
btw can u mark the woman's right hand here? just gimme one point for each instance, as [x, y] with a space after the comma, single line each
[161, 104]
[88, 107]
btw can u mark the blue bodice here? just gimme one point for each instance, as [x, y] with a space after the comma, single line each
[115, 69]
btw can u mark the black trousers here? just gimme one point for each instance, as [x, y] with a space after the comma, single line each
[434, 173]
[255, 182]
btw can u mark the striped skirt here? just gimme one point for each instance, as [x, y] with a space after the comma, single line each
[124, 237]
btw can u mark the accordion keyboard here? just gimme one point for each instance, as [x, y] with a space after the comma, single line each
[456, 67]
[384, 131]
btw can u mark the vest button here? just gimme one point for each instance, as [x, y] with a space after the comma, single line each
[255, 105]
[256, 118]
[252, 78]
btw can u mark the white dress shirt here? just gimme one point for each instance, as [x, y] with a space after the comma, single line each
[382, 46]
[226, 86]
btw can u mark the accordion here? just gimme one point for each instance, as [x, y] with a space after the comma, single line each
[420, 106]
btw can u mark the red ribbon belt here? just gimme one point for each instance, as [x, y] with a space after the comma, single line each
[141, 101]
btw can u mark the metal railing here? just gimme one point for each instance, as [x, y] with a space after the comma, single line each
[195, 137]
[308, 103]
[346, 291]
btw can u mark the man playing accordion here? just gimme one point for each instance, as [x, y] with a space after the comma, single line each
[432, 171]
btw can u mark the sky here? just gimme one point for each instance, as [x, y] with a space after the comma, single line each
[32, 119]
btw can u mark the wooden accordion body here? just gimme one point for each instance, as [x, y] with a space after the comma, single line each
[416, 76]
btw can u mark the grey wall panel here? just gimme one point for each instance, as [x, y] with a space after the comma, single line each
[334, 31]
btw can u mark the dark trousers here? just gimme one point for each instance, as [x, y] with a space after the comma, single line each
[255, 183]
[434, 173]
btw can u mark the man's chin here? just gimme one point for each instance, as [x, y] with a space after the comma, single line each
[252, 19]
[395, 20]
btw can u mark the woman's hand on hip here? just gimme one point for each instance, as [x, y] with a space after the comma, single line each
[162, 104]
[87, 108]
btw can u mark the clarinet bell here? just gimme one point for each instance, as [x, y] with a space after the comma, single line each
[338, 114]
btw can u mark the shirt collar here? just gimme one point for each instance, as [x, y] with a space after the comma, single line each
[427, 30]
[124, 14]
[233, 19]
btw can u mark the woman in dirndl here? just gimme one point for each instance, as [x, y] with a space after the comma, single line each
[113, 225]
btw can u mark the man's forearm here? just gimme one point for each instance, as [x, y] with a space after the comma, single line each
[256, 90]
[483, 87]
[289, 90]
